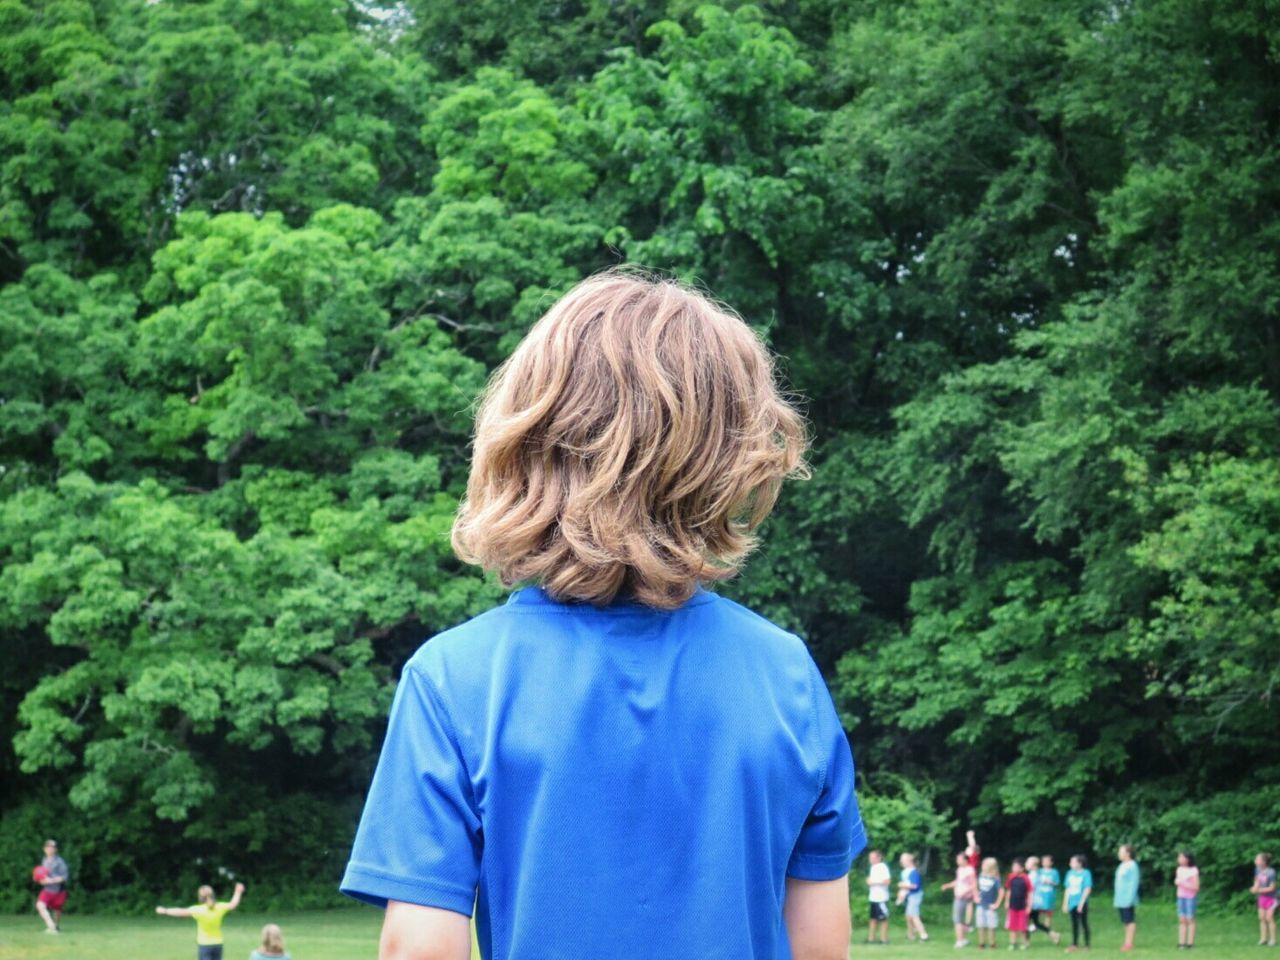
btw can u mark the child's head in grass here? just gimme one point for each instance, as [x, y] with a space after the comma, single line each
[629, 446]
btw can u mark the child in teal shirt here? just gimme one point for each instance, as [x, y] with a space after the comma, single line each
[1077, 887]
[1126, 893]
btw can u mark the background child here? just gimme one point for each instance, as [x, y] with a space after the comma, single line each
[963, 888]
[272, 946]
[1044, 897]
[1187, 882]
[53, 888]
[1126, 893]
[207, 914]
[1017, 895]
[974, 853]
[878, 880]
[1264, 887]
[1032, 868]
[1077, 886]
[986, 914]
[911, 893]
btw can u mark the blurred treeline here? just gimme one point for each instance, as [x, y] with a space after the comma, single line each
[257, 257]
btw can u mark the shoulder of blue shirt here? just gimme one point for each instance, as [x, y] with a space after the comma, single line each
[479, 632]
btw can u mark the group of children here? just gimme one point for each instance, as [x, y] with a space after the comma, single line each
[1029, 896]
[208, 913]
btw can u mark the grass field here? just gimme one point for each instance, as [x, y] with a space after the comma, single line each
[353, 935]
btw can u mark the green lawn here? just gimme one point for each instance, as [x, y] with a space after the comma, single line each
[353, 935]
[1218, 937]
[317, 935]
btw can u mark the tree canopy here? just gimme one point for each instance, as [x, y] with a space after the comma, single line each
[1019, 259]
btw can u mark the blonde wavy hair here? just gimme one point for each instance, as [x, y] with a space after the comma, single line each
[630, 446]
[272, 940]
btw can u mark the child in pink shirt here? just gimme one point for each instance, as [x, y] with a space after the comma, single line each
[1187, 880]
[962, 887]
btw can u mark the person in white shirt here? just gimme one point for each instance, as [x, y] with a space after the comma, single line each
[878, 881]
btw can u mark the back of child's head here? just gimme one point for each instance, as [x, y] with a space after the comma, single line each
[629, 446]
[1188, 857]
[272, 939]
[991, 867]
[1264, 859]
[1079, 861]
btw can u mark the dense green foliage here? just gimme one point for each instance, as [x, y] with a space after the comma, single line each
[257, 257]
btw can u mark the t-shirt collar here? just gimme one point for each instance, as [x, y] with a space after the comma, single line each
[537, 595]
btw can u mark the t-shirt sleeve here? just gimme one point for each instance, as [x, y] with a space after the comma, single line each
[833, 834]
[419, 839]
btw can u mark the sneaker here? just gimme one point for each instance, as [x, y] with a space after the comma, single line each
[52, 930]
[961, 943]
[924, 938]
[1055, 937]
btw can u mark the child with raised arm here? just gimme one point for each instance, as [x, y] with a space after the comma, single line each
[962, 888]
[207, 914]
[1264, 888]
[617, 762]
[1077, 887]
[974, 854]
[1186, 880]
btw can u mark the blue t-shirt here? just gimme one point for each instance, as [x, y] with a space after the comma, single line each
[1127, 884]
[912, 876]
[1046, 881]
[610, 782]
[1077, 882]
[988, 890]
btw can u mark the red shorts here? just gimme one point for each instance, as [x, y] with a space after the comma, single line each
[1016, 921]
[53, 901]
